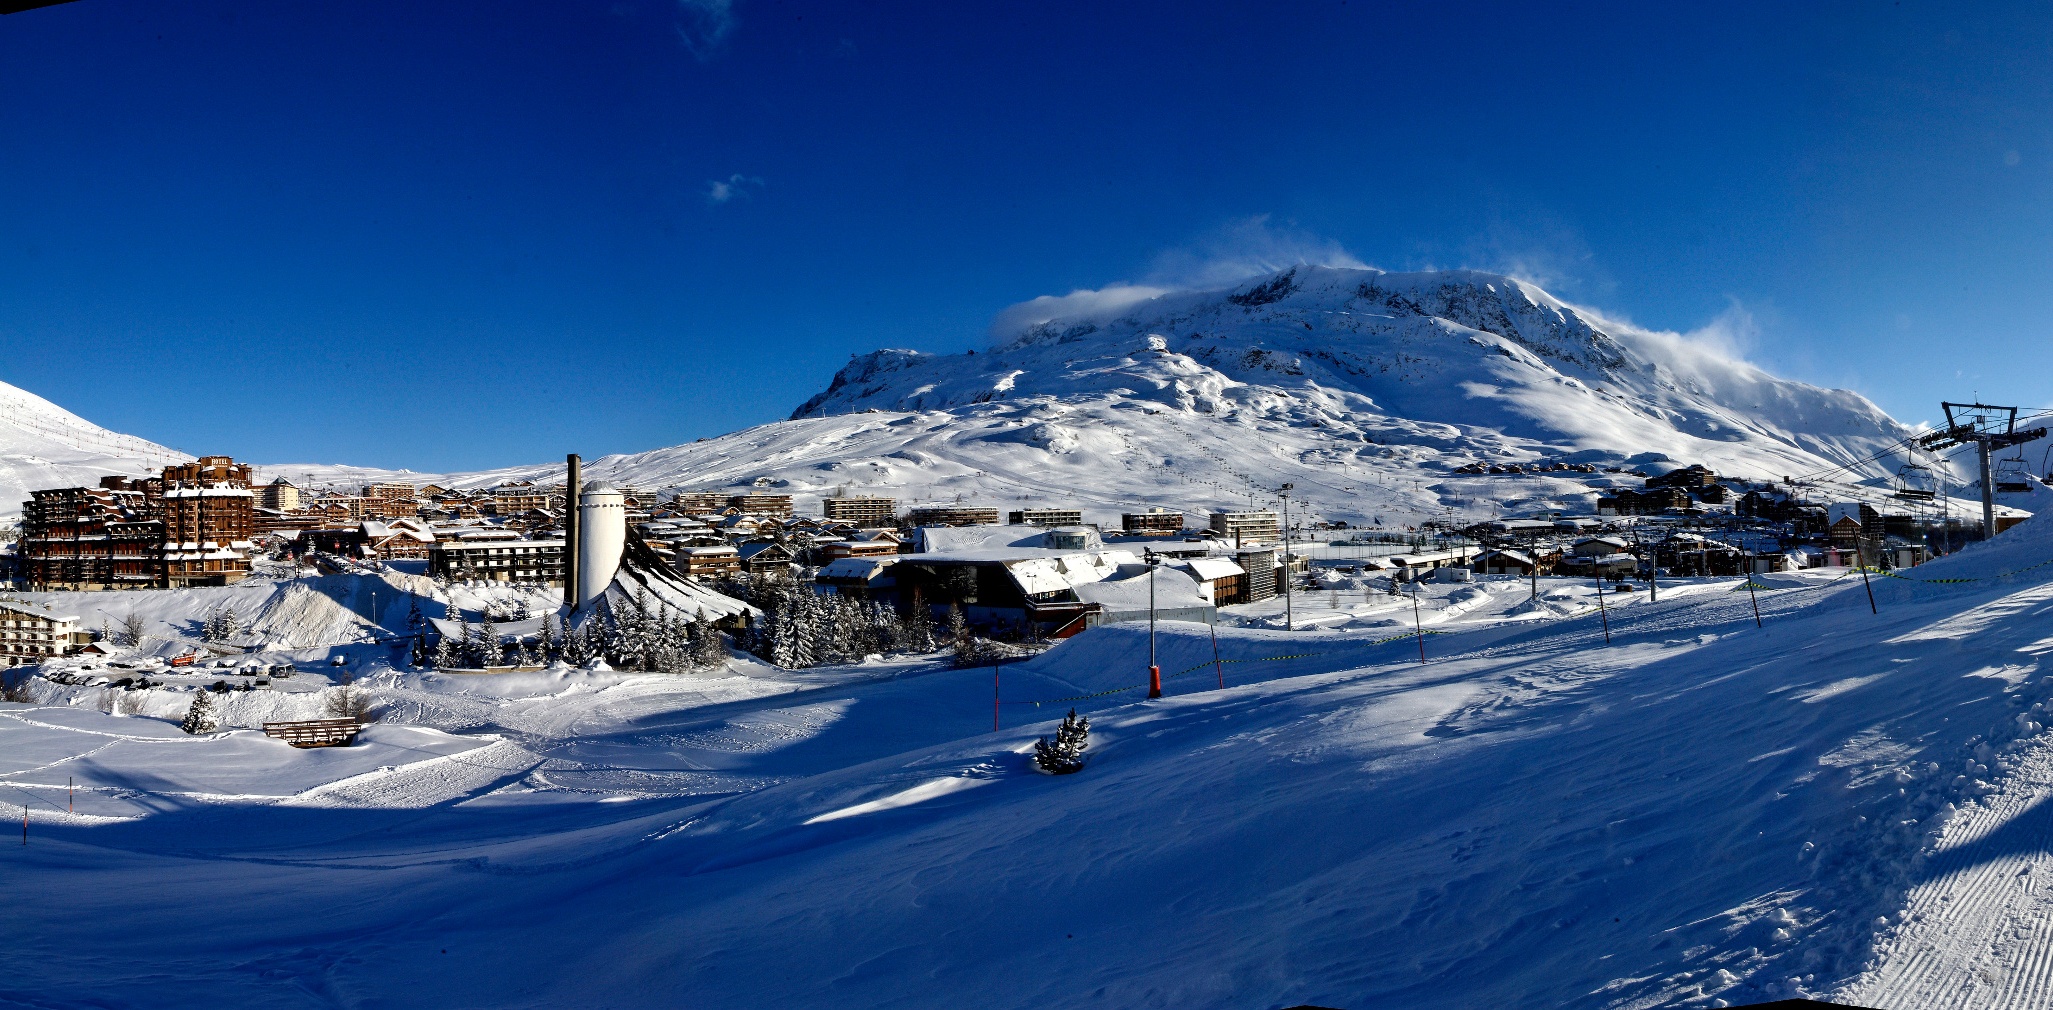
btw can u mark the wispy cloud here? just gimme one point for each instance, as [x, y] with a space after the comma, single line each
[1081, 303]
[1248, 247]
[737, 186]
[1233, 252]
[704, 26]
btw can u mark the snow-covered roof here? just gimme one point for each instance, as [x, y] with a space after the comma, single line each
[1127, 590]
[1060, 571]
[35, 610]
[1211, 569]
[856, 568]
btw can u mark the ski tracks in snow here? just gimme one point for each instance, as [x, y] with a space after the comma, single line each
[1977, 933]
[424, 783]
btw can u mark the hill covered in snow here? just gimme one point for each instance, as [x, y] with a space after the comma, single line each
[1365, 389]
[43, 445]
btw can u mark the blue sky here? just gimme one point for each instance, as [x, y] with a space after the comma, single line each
[459, 235]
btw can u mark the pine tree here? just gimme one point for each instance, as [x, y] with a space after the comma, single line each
[447, 655]
[707, 652]
[489, 649]
[574, 650]
[546, 647]
[1066, 754]
[674, 653]
[220, 626]
[199, 719]
[967, 652]
[417, 627]
[919, 625]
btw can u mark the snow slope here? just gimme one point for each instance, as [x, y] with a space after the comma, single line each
[1701, 811]
[1363, 388]
[43, 445]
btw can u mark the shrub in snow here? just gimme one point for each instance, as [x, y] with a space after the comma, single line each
[131, 630]
[1066, 754]
[347, 702]
[199, 719]
[14, 686]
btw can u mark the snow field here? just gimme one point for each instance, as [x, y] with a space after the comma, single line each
[1702, 812]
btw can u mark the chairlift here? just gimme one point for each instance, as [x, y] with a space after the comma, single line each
[1914, 482]
[2012, 477]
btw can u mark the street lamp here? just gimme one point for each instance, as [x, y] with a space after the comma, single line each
[1154, 671]
[1289, 621]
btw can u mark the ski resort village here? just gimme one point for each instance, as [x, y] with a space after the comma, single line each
[1322, 506]
[1181, 622]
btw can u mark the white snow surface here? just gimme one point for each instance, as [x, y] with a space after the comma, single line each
[1840, 802]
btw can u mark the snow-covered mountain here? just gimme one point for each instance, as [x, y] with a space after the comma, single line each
[43, 445]
[1363, 388]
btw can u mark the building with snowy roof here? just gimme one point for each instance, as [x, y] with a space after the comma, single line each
[30, 633]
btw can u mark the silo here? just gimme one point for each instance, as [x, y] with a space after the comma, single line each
[602, 535]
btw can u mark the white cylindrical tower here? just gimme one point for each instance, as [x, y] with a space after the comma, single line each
[602, 535]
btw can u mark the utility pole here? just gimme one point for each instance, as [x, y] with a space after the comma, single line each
[1289, 619]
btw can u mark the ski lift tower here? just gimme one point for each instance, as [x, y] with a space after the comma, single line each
[1988, 428]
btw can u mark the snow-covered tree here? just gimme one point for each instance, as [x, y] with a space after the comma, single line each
[968, 649]
[448, 655]
[488, 648]
[547, 646]
[919, 625]
[199, 719]
[417, 627]
[221, 625]
[707, 650]
[576, 647]
[1066, 753]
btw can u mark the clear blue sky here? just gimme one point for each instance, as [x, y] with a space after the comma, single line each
[456, 235]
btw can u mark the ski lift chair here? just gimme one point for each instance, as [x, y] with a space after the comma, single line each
[1914, 482]
[2011, 475]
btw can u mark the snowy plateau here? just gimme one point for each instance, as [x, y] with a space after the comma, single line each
[1812, 784]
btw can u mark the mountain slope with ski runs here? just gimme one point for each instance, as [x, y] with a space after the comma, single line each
[43, 445]
[1363, 388]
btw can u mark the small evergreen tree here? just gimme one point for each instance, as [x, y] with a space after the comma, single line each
[199, 719]
[572, 650]
[707, 652]
[417, 627]
[1066, 754]
[447, 656]
[489, 649]
[220, 626]
[919, 625]
[546, 643]
[968, 651]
